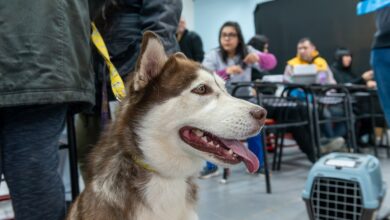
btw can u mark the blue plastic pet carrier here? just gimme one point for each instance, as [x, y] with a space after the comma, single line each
[344, 186]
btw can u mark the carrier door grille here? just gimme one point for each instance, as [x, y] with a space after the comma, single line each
[333, 198]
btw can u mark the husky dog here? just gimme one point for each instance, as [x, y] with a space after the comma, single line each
[175, 116]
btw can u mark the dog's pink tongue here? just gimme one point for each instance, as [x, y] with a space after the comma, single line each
[250, 160]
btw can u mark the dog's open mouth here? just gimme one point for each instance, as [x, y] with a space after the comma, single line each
[228, 151]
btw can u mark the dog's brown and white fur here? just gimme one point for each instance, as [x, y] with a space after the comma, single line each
[168, 98]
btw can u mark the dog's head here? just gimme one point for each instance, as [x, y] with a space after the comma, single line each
[183, 115]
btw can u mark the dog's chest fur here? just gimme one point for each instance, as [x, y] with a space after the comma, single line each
[168, 199]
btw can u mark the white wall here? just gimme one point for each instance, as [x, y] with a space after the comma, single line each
[188, 13]
[209, 15]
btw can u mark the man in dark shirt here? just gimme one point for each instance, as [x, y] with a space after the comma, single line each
[190, 42]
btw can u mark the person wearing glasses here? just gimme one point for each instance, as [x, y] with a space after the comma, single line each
[233, 61]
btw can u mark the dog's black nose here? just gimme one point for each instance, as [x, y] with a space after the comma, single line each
[259, 114]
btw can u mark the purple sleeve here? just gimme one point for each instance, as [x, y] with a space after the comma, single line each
[222, 73]
[267, 61]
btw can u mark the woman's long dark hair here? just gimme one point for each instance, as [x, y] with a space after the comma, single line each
[258, 42]
[338, 58]
[241, 49]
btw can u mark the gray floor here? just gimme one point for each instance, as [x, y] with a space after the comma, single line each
[244, 196]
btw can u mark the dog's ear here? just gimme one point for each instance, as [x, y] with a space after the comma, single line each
[150, 62]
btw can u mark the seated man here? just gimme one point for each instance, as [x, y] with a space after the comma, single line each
[308, 55]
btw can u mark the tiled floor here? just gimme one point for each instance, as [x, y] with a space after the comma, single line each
[244, 196]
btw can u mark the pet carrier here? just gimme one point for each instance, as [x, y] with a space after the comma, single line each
[344, 186]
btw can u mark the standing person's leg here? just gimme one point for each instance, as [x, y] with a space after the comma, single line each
[29, 137]
[380, 61]
[303, 139]
[255, 144]
[339, 128]
[327, 127]
[301, 134]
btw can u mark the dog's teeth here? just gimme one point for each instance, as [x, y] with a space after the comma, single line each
[211, 143]
[234, 155]
[204, 139]
[198, 133]
[230, 152]
[217, 146]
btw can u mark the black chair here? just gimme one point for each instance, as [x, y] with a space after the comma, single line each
[234, 90]
[72, 152]
[327, 96]
[292, 113]
[367, 113]
[265, 96]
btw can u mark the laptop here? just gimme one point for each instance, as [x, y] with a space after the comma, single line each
[304, 74]
[272, 78]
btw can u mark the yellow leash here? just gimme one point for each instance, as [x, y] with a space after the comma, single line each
[142, 164]
[117, 85]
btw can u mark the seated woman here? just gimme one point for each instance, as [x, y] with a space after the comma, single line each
[308, 55]
[342, 69]
[233, 61]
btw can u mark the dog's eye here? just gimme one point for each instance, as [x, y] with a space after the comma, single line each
[202, 89]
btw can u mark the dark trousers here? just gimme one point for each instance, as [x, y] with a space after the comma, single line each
[29, 160]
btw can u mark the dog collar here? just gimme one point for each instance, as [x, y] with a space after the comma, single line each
[142, 164]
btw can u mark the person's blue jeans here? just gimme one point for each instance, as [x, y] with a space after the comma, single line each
[255, 144]
[210, 166]
[380, 61]
[29, 160]
[330, 129]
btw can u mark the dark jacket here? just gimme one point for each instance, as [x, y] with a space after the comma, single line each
[345, 75]
[45, 53]
[191, 45]
[382, 35]
[126, 23]
[341, 73]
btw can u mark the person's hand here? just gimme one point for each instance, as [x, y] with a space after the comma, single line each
[368, 75]
[371, 84]
[234, 69]
[251, 58]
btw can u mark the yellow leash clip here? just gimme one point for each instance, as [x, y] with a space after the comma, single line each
[117, 85]
[142, 164]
